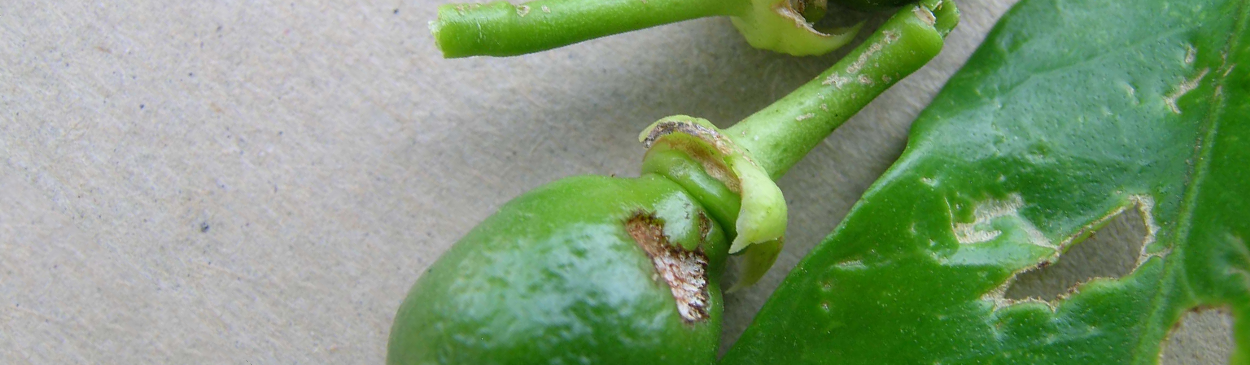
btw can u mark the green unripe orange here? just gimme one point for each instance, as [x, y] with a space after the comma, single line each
[585, 270]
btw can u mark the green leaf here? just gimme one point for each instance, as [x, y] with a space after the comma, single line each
[1070, 113]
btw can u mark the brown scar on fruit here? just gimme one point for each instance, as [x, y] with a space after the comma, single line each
[685, 272]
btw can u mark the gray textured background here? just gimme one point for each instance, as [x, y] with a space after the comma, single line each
[230, 182]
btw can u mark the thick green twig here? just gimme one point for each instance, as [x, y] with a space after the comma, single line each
[503, 29]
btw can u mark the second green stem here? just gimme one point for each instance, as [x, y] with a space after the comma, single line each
[502, 29]
[781, 134]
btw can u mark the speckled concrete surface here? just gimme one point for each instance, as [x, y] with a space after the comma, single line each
[229, 182]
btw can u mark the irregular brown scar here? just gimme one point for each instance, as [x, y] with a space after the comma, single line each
[685, 272]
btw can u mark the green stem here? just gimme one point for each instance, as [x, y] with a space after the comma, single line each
[503, 29]
[781, 134]
[740, 164]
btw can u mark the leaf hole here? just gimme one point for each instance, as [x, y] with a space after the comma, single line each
[1110, 252]
[1203, 336]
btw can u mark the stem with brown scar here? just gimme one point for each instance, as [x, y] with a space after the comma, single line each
[731, 171]
[781, 134]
